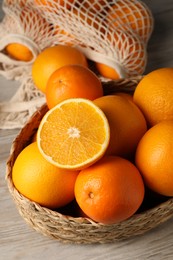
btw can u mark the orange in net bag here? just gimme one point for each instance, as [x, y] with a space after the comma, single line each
[89, 24]
[126, 48]
[133, 14]
[22, 30]
[23, 34]
[112, 34]
[38, 24]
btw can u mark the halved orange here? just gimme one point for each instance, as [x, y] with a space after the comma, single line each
[74, 134]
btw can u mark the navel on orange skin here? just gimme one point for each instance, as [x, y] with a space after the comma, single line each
[72, 81]
[109, 191]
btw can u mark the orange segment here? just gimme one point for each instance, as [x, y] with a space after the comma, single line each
[74, 134]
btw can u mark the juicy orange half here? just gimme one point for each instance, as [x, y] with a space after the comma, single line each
[74, 134]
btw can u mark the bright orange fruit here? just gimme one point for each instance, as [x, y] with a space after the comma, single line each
[40, 181]
[127, 124]
[27, 17]
[51, 59]
[125, 95]
[154, 95]
[72, 81]
[19, 51]
[154, 158]
[74, 134]
[109, 191]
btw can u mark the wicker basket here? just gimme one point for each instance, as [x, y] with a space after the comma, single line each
[81, 230]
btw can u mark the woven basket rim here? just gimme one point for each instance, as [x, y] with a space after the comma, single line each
[13, 190]
[66, 228]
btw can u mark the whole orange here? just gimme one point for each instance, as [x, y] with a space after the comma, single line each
[154, 95]
[72, 81]
[40, 181]
[19, 51]
[109, 191]
[154, 158]
[127, 124]
[51, 59]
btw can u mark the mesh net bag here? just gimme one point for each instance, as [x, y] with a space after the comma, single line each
[24, 25]
[113, 33]
[15, 112]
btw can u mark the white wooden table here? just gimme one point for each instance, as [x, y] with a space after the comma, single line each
[18, 241]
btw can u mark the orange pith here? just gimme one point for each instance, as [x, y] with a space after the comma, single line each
[73, 134]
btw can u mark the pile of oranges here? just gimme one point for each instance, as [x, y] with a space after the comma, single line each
[99, 152]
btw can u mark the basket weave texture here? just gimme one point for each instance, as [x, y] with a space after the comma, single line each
[80, 230]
